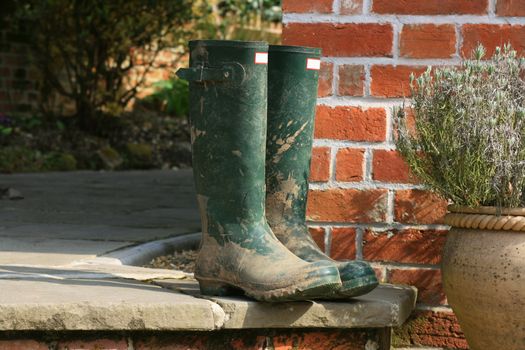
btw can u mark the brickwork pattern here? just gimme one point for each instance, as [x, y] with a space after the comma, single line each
[362, 194]
[277, 339]
[19, 79]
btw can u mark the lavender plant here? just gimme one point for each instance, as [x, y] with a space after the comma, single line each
[469, 139]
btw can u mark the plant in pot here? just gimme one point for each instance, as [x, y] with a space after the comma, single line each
[466, 142]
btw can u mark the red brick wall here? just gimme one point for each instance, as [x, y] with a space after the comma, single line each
[247, 339]
[363, 203]
[18, 80]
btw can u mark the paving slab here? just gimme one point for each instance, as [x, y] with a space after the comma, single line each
[386, 306]
[52, 252]
[105, 305]
[136, 206]
[98, 268]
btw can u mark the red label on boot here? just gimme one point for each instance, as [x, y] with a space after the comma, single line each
[313, 63]
[261, 58]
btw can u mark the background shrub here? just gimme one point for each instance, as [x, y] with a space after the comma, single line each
[84, 50]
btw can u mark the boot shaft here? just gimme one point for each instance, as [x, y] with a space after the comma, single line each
[228, 91]
[293, 74]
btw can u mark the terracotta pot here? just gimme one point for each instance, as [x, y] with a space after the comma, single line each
[484, 276]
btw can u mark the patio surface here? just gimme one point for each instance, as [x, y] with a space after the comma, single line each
[63, 260]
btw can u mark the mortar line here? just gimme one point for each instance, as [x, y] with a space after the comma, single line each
[389, 125]
[397, 27]
[390, 206]
[364, 103]
[373, 18]
[335, 79]
[393, 61]
[363, 185]
[355, 144]
[367, 6]
[336, 7]
[408, 266]
[459, 41]
[328, 240]
[130, 344]
[367, 166]
[359, 244]
[492, 8]
[382, 226]
[333, 163]
[368, 80]
[440, 308]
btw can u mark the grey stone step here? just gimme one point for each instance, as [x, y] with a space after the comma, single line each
[122, 304]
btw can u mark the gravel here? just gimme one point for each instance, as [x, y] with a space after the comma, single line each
[183, 260]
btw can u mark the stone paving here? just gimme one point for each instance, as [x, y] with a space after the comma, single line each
[69, 216]
[64, 249]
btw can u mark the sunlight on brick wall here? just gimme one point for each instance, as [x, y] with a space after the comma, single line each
[363, 204]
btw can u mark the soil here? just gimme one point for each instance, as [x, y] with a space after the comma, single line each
[184, 261]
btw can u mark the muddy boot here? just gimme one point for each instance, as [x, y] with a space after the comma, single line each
[292, 93]
[228, 91]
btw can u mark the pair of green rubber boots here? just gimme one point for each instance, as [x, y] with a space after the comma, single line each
[252, 112]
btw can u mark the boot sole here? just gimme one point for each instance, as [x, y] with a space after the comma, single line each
[358, 286]
[214, 287]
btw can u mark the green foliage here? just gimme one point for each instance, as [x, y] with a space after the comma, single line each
[22, 159]
[170, 97]
[57, 161]
[139, 155]
[267, 10]
[85, 50]
[469, 142]
[14, 159]
[239, 20]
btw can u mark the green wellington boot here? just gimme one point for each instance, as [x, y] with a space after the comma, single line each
[228, 91]
[292, 93]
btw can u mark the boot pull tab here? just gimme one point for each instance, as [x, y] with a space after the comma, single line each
[229, 72]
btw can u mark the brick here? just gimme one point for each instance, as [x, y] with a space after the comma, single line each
[349, 164]
[513, 8]
[389, 166]
[176, 341]
[99, 344]
[428, 328]
[419, 207]
[351, 7]
[325, 79]
[318, 234]
[410, 118]
[312, 340]
[350, 123]
[409, 246]
[320, 165]
[430, 7]
[22, 344]
[350, 39]
[393, 81]
[343, 245]
[259, 343]
[428, 283]
[428, 41]
[305, 6]
[347, 205]
[351, 80]
[490, 36]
